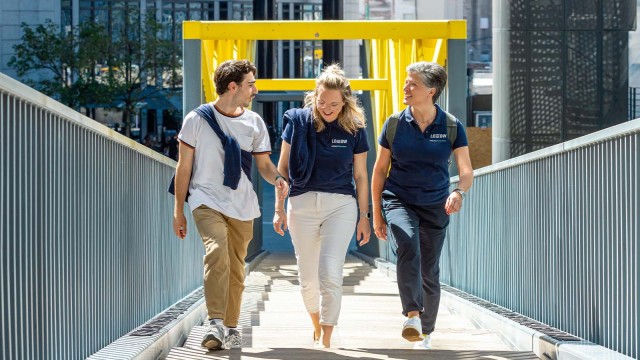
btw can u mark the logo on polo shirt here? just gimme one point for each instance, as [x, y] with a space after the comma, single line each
[438, 136]
[338, 143]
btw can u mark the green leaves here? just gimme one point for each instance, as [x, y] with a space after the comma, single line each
[87, 66]
[61, 65]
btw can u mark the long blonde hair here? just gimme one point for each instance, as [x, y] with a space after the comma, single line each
[351, 117]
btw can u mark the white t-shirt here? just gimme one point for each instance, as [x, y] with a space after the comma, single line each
[206, 188]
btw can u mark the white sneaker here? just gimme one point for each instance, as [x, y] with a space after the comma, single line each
[424, 344]
[214, 337]
[233, 340]
[412, 329]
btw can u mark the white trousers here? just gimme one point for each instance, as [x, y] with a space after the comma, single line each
[321, 226]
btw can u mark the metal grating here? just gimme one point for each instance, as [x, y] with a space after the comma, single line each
[581, 14]
[519, 86]
[618, 14]
[583, 106]
[546, 82]
[518, 10]
[546, 14]
[156, 324]
[569, 68]
[514, 316]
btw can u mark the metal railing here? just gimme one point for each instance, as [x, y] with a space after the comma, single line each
[554, 235]
[87, 250]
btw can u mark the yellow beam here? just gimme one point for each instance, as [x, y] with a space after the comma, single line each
[310, 84]
[392, 46]
[440, 53]
[324, 30]
[208, 66]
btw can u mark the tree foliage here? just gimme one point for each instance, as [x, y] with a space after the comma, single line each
[89, 66]
[138, 57]
[62, 65]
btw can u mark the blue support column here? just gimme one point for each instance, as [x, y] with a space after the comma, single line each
[456, 101]
[192, 92]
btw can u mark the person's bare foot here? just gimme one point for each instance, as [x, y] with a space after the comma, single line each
[316, 339]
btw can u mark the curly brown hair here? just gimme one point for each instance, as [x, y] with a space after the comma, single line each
[232, 71]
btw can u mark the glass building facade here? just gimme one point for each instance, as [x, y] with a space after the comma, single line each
[288, 59]
[111, 13]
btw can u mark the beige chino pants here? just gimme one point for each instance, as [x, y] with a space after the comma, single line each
[225, 241]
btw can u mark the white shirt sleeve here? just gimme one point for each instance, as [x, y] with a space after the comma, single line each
[190, 129]
[261, 141]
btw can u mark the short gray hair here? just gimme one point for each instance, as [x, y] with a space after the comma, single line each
[432, 74]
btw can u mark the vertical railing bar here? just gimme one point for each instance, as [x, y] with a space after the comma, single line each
[29, 248]
[45, 321]
[14, 238]
[10, 226]
[4, 336]
[35, 176]
[64, 248]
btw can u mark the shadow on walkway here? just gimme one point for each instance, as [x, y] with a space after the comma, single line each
[310, 354]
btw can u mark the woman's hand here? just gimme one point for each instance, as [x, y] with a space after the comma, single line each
[363, 231]
[454, 203]
[379, 227]
[280, 221]
[282, 188]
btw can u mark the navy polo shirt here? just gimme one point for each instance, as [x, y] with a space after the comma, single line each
[333, 166]
[420, 160]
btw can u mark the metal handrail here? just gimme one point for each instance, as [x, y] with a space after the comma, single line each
[554, 235]
[87, 250]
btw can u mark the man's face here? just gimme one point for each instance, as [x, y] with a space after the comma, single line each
[246, 90]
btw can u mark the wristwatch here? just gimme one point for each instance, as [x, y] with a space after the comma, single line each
[366, 215]
[461, 192]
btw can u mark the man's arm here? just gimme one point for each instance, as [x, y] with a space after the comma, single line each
[183, 177]
[269, 172]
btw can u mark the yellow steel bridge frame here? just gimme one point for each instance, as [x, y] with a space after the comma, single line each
[391, 46]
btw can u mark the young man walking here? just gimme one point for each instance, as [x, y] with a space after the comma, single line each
[220, 194]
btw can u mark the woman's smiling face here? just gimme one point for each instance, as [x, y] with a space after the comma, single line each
[329, 103]
[416, 92]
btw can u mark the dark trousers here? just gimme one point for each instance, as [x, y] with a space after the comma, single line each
[417, 234]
